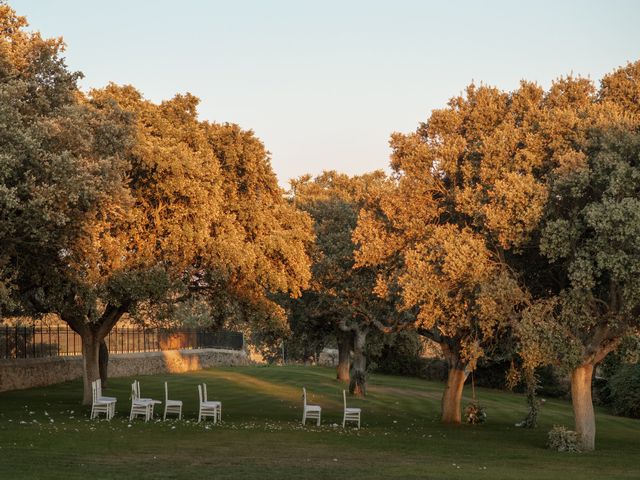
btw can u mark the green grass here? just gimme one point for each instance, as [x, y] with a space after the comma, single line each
[45, 433]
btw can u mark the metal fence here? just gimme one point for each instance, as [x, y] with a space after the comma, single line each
[45, 341]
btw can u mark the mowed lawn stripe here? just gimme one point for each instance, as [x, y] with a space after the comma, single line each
[261, 436]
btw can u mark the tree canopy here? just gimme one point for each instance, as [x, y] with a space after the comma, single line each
[59, 162]
[112, 203]
[341, 294]
[456, 204]
[477, 219]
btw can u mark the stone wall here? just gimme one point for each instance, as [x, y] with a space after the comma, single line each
[328, 357]
[38, 372]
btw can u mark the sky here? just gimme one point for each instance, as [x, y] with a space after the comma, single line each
[324, 83]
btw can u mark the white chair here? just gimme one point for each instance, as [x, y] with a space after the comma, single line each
[310, 411]
[171, 406]
[100, 404]
[102, 397]
[150, 400]
[350, 414]
[208, 408]
[140, 406]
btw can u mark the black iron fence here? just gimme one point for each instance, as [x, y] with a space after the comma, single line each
[47, 341]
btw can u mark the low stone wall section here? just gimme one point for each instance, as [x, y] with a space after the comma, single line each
[328, 357]
[38, 372]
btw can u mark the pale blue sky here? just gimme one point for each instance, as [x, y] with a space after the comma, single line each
[324, 83]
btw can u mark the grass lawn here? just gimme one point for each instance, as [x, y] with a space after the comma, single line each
[45, 433]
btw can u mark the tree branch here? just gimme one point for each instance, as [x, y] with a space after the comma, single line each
[111, 316]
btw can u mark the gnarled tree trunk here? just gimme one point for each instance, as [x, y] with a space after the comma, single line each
[452, 394]
[344, 356]
[90, 360]
[92, 335]
[604, 340]
[584, 416]
[357, 385]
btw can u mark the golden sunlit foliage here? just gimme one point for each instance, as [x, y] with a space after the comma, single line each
[457, 230]
[112, 203]
[341, 295]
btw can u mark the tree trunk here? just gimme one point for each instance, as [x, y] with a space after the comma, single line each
[90, 357]
[344, 356]
[93, 335]
[584, 416]
[357, 385]
[103, 360]
[453, 395]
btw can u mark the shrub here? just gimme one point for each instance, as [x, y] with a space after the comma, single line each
[628, 352]
[492, 374]
[401, 354]
[624, 388]
[563, 440]
[601, 392]
[552, 383]
[397, 354]
[434, 369]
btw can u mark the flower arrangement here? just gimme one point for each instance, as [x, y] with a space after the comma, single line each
[475, 413]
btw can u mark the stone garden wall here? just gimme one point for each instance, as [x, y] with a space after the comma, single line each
[39, 372]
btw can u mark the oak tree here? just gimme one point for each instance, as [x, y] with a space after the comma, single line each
[462, 196]
[341, 294]
[111, 203]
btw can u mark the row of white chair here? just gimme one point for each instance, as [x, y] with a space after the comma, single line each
[145, 406]
[311, 411]
[208, 408]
